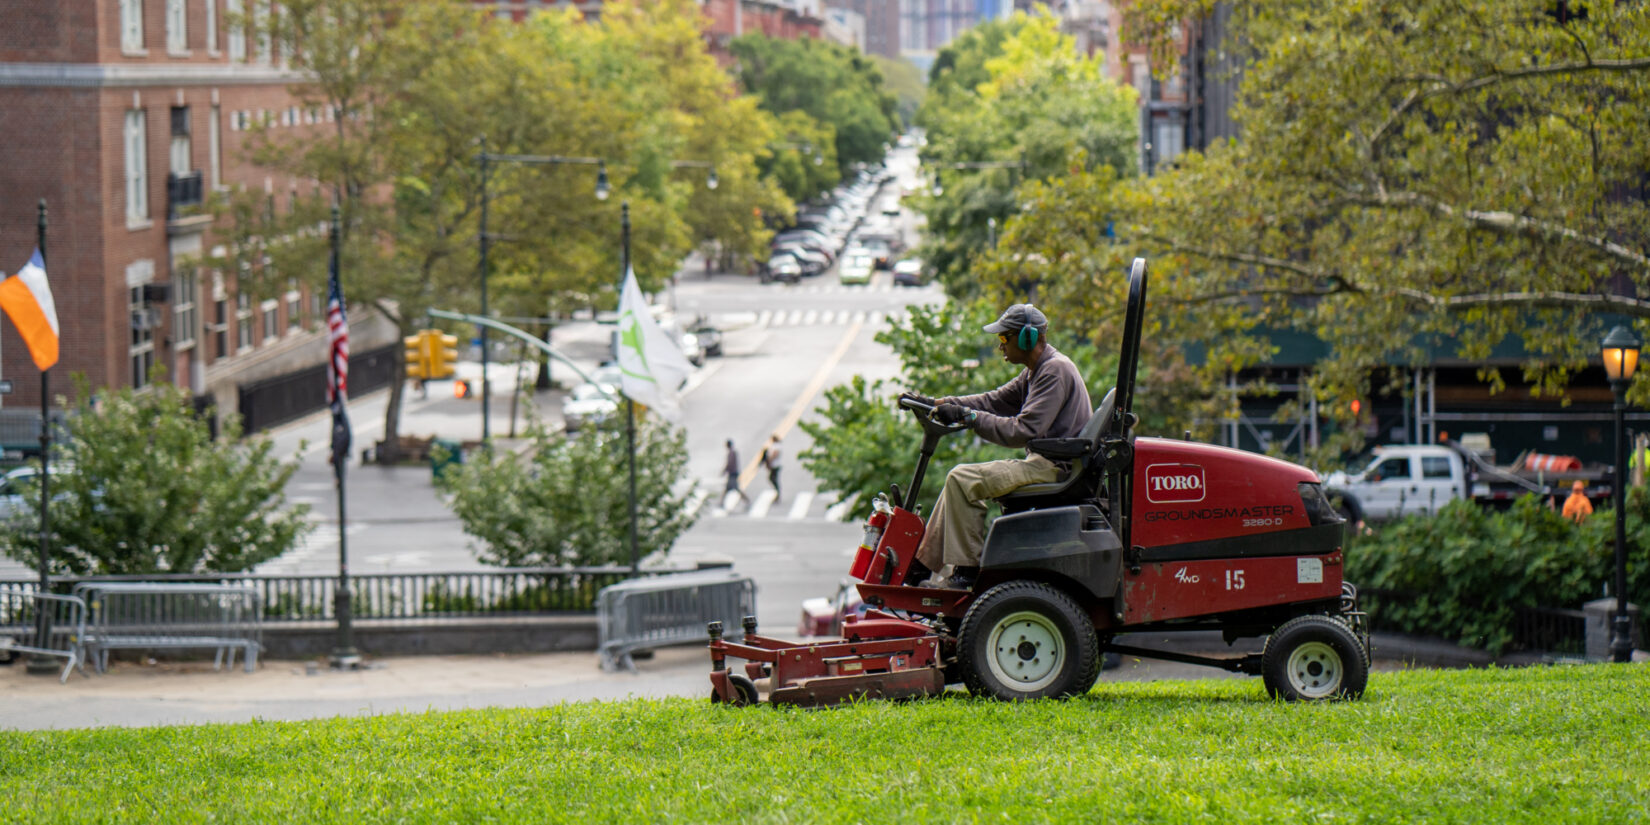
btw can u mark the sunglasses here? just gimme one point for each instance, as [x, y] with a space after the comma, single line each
[1002, 337]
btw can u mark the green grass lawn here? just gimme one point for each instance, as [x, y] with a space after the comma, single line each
[1547, 745]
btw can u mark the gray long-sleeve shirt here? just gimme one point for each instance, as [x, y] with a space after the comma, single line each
[1046, 400]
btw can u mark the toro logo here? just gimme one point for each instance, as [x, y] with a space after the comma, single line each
[1174, 483]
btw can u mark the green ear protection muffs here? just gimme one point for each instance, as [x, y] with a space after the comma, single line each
[1028, 338]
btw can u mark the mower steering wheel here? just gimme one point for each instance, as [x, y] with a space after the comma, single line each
[925, 415]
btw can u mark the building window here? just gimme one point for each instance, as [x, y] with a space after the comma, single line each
[185, 317]
[211, 26]
[294, 309]
[272, 320]
[316, 313]
[137, 168]
[237, 31]
[180, 141]
[243, 321]
[214, 147]
[220, 327]
[143, 337]
[131, 26]
[177, 27]
[260, 29]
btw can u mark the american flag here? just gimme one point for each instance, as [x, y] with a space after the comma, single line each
[337, 364]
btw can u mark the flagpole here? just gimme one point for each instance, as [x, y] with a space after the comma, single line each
[344, 655]
[629, 403]
[40, 663]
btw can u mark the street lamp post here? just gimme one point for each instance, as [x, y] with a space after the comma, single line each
[629, 404]
[1621, 360]
[486, 159]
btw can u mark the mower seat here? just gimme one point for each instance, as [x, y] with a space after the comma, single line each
[1081, 451]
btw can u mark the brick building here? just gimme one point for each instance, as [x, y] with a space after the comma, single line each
[123, 115]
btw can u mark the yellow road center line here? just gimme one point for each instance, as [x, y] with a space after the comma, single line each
[803, 401]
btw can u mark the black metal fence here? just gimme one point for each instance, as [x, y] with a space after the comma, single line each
[1535, 629]
[403, 596]
[273, 401]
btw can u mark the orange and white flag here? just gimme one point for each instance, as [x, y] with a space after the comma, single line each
[27, 300]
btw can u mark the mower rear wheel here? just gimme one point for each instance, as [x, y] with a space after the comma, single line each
[1027, 640]
[744, 692]
[1312, 659]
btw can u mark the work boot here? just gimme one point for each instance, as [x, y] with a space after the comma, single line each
[961, 578]
[918, 574]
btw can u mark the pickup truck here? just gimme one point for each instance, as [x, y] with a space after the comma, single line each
[1408, 479]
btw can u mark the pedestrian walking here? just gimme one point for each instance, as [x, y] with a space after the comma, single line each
[732, 471]
[1577, 508]
[771, 454]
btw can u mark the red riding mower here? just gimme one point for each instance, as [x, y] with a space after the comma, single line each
[1142, 535]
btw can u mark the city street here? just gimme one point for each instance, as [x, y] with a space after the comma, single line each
[784, 345]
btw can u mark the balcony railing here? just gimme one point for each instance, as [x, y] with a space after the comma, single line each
[183, 191]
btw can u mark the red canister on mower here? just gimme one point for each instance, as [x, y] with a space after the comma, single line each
[890, 542]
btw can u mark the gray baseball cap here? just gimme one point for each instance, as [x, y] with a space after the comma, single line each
[1018, 317]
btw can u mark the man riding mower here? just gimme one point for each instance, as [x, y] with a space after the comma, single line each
[1119, 534]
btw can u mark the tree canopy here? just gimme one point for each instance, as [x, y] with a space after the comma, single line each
[1417, 178]
[409, 95]
[834, 85]
[1012, 103]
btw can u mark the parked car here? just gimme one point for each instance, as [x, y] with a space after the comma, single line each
[784, 268]
[909, 272]
[710, 338]
[879, 250]
[856, 267]
[586, 405]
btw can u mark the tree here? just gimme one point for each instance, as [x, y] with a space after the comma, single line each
[1418, 177]
[565, 502]
[906, 81]
[833, 84]
[407, 93]
[1012, 104]
[141, 487]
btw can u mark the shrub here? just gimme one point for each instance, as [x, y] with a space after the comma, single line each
[566, 503]
[1469, 568]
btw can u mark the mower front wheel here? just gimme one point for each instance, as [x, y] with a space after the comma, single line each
[1314, 658]
[744, 692]
[1027, 640]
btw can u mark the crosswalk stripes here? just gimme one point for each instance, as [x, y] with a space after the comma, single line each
[838, 510]
[806, 318]
[799, 507]
[805, 506]
[759, 507]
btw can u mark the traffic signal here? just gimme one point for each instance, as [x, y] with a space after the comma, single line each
[461, 389]
[443, 351]
[418, 365]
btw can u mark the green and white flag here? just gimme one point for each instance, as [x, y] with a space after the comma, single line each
[652, 367]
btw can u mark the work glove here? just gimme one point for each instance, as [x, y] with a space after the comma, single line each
[920, 399]
[954, 414]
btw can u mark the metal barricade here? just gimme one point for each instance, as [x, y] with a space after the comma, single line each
[642, 614]
[20, 628]
[147, 616]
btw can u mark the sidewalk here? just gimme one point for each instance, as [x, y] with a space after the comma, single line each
[173, 693]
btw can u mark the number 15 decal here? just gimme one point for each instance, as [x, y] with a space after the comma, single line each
[1234, 580]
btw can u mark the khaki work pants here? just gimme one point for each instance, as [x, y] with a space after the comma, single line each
[956, 530]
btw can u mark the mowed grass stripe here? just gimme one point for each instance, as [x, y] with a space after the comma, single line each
[1559, 744]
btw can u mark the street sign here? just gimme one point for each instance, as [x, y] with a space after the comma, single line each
[5, 386]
